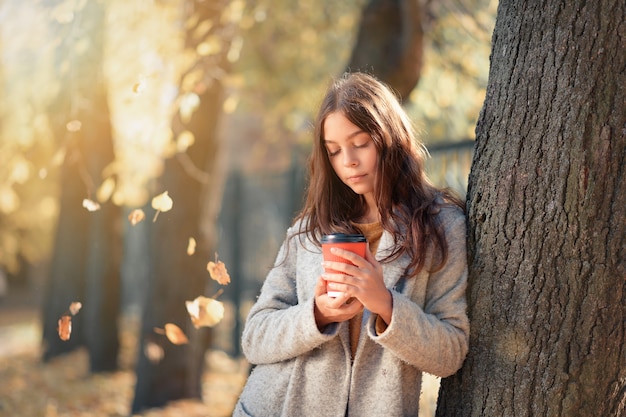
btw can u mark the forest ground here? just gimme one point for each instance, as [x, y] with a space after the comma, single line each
[64, 387]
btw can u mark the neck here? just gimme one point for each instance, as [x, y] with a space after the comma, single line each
[371, 214]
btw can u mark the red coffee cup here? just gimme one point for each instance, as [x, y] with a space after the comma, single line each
[355, 243]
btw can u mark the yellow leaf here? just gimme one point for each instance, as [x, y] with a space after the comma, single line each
[188, 104]
[58, 157]
[191, 246]
[218, 272]
[73, 126]
[184, 141]
[9, 200]
[91, 205]
[175, 335]
[230, 104]
[20, 172]
[211, 46]
[153, 352]
[75, 307]
[161, 202]
[105, 191]
[205, 312]
[136, 216]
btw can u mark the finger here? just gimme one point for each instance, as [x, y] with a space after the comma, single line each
[335, 277]
[332, 267]
[346, 254]
[370, 258]
[339, 287]
[320, 287]
[346, 303]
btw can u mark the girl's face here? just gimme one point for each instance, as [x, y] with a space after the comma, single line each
[352, 154]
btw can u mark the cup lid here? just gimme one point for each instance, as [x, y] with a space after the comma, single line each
[343, 238]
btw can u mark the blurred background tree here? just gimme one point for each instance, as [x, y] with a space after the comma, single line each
[85, 261]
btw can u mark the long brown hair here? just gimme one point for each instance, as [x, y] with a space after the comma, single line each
[405, 197]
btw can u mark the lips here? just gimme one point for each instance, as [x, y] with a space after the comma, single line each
[355, 178]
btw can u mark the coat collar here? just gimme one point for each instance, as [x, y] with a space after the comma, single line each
[392, 272]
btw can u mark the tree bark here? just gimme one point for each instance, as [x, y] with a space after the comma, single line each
[192, 181]
[390, 43]
[547, 219]
[85, 264]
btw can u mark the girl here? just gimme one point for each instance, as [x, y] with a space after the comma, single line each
[403, 311]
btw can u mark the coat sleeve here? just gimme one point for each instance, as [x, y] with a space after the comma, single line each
[433, 339]
[279, 326]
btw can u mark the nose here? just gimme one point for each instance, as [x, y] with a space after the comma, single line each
[350, 159]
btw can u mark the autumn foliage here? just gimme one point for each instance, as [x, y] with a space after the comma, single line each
[203, 311]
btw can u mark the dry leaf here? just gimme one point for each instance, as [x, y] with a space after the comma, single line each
[73, 126]
[191, 246]
[205, 312]
[161, 202]
[91, 205]
[75, 308]
[105, 191]
[188, 104]
[139, 87]
[184, 141]
[218, 272]
[175, 334]
[136, 216]
[65, 322]
[153, 352]
[65, 327]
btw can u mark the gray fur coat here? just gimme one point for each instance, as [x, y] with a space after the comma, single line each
[302, 372]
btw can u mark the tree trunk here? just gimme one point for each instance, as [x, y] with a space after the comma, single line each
[191, 179]
[390, 43]
[85, 263]
[547, 219]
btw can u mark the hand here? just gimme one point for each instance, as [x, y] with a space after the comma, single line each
[363, 280]
[331, 310]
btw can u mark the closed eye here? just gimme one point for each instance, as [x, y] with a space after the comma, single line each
[333, 153]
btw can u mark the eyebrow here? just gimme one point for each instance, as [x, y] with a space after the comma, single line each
[350, 136]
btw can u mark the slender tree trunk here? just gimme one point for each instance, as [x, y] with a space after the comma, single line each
[85, 263]
[191, 180]
[547, 218]
[390, 43]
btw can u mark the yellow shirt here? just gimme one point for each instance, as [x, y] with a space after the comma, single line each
[373, 232]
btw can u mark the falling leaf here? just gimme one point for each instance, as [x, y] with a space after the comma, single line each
[188, 104]
[161, 203]
[141, 84]
[73, 126]
[105, 191]
[136, 216]
[58, 157]
[65, 322]
[153, 352]
[175, 334]
[218, 272]
[205, 312]
[230, 104]
[75, 308]
[65, 327]
[191, 246]
[91, 205]
[184, 141]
